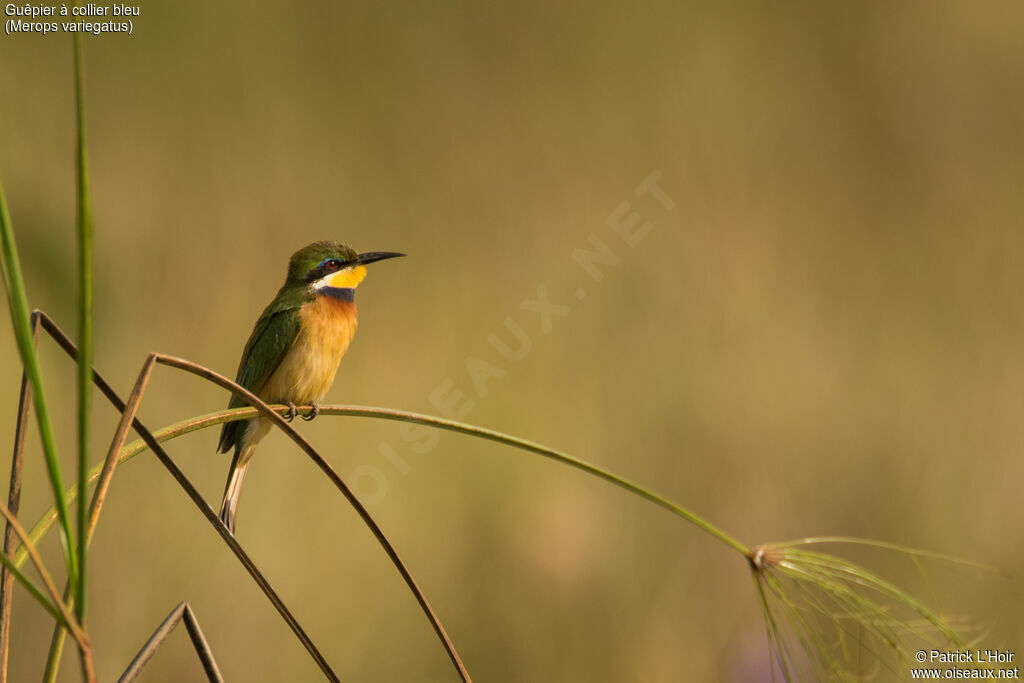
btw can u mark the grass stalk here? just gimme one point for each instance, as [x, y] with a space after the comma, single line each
[54, 604]
[99, 495]
[183, 612]
[389, 549]
[190, 490]
[18, 302]
[178, 429]
[85, 329]
[84, 238]
[857, 602]
[14, 504]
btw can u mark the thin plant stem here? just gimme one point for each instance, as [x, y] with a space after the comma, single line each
[45, 602]
[16, 298]
[325, 467]
[183, 612]
[212, 419]
[85, 328]
[57, 639]
[99, 495]
[63, 612]
[201, 646]
[13, 504]
[69, 347]
[197, 499]
[558, 456]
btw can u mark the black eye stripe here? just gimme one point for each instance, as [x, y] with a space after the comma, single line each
[326, 267]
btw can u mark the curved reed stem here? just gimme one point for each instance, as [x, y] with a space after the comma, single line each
[68, 346]
[212, 419]
[326, 468]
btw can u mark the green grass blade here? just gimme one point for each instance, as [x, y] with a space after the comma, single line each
[18, 302]
[85, 332]
[53, 658]
[39, 596]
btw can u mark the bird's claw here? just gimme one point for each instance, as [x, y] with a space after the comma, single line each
[292, 412]
[313, 412]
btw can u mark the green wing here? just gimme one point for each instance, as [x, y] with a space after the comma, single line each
[270, 340]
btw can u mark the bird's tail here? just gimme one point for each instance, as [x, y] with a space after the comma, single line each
[233, 490]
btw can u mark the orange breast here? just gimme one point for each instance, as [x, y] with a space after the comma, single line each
[327, 326]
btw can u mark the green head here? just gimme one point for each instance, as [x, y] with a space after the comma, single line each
[327, 266]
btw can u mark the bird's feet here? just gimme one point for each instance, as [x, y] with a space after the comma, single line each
[312, 413]
[292, 411]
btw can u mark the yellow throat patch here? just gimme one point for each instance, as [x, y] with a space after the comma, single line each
[349, 277]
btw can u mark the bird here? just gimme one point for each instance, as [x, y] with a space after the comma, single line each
[294, 350]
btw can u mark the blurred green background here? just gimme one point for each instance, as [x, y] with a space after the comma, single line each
[823, 336]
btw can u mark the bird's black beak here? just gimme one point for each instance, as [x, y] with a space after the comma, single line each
[373, 256]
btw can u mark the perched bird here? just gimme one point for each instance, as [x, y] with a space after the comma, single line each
[293, 352]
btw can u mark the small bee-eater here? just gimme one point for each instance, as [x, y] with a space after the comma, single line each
[293, 352]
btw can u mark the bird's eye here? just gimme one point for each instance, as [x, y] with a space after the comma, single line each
[334, 264]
